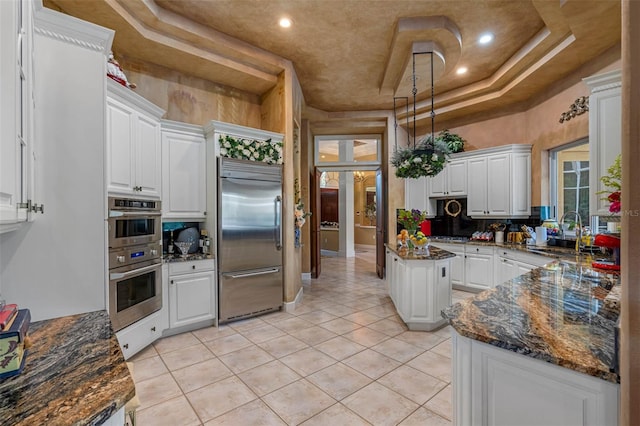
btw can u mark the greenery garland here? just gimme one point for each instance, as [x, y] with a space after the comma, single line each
[253, 150]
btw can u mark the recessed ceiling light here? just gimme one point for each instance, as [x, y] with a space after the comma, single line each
[461, 70]
[485, 38]
[285, 22]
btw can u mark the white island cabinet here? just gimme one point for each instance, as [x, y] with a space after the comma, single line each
[493, 386]
[420, 287]
[133, 143]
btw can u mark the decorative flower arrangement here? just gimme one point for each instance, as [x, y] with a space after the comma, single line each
[411, 219]
[253, 150]
[427, 158]
[300, 215]
[613, 180]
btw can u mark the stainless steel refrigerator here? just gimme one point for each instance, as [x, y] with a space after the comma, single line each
[250, 279]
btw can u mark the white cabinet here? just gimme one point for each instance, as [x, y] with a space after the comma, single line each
[478, 262]
[192, 293]
[493, 386]
[142, 333]
[510, 264]
[415, 196]
[17, 185]
[605, 134]
[420, 289]
[451, 182]
[457, 263]
[183, 171]
[133, 143]
[499, 183]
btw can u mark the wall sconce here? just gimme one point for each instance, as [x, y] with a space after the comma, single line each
[359, 176]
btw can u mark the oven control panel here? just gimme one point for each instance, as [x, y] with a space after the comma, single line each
[134, 254]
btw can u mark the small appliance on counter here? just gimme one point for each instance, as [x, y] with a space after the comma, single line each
[611, 242]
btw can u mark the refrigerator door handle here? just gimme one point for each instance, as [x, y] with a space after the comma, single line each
[278, 207]
[252, 274]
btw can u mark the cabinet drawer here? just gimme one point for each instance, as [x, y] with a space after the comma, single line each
[141, 334]
[472, 249]
[179, 268]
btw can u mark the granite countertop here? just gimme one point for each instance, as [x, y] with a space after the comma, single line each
[556, 313]
[433, 253]
[170, 258]
[74, 374]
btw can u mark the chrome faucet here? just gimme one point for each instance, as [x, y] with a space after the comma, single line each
[579, 244]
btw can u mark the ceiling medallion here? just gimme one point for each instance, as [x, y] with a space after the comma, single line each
[580, 106]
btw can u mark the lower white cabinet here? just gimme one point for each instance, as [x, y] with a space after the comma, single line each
[141, 334]
[192, 292]
[457, 263]
[493, 386]
[420, 290]
[478, 264]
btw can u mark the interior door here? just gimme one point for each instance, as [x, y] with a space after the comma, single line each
[315, 223]
[381, 219]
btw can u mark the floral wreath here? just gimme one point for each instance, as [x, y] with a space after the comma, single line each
[266, 151]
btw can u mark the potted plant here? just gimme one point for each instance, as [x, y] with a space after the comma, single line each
[454, 142]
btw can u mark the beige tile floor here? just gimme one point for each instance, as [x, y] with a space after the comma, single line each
[344, 357]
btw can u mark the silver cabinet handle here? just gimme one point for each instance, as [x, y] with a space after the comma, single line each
[278, 207]
[120, 275]
[252, 274]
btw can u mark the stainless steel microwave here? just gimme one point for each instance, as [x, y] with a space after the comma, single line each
[133, 222]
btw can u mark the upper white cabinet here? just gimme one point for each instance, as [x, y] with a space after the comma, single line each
[415, 196]
[605, 134]
[499, 182]
[17, 184]
[133, 143]
[183, 171]
[451, 181]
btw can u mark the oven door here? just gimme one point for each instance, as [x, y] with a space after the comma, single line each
[135, 291]
[133, 228]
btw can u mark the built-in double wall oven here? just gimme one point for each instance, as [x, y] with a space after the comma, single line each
[135, 260]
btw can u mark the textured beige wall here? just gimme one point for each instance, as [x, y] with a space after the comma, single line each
[190, 99]
[538, 126]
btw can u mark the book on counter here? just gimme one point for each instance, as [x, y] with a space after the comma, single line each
[7, 313]
[12, 344]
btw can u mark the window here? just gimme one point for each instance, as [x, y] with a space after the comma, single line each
[569, 178]
[347, 150]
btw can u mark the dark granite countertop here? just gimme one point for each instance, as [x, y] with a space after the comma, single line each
[74, 374]
[556, 313]
[433, 253]
[171, 258]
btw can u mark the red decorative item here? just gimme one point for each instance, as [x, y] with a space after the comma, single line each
[425, 227]
[612, 242]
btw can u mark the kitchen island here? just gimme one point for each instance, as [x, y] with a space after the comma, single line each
[74, 374]
[538, 349]
[419, 286]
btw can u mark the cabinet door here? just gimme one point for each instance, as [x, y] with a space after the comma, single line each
[457, 177]
[120, 147]
[457, 269]
[148, 156]
[499, 185]
[191, 298]
[442, 286]
[183, 176]
[479, 270]
[520, 185]
[506, 269]
[605, 135]
[477, 187]
[438, 184]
